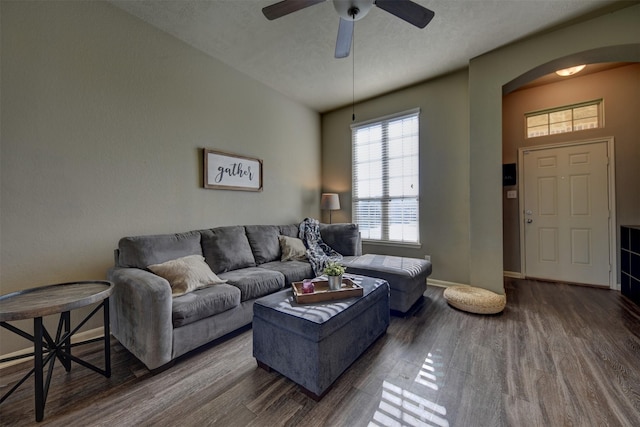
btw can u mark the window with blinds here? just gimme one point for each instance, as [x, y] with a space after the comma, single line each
[386, 178]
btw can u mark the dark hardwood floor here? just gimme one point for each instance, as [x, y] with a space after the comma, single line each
[558, 355]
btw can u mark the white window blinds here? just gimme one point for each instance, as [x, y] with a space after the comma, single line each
[385, 178]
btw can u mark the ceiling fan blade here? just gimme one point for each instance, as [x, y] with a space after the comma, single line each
[345, 36]
[286, 7]
[411, 12]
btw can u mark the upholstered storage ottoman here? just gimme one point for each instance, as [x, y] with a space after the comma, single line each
[407, 277]
[312, 344]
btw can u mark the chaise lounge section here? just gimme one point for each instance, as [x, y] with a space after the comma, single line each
[407, 277]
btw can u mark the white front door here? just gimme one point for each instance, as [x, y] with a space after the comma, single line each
[566, 213]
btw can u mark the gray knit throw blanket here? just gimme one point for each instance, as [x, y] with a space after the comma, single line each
[318, 252]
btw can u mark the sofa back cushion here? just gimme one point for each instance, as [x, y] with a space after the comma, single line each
[142, 251]
[264, 242]
[227, 248]
[203, 303]
[291, 230]
[342, 238]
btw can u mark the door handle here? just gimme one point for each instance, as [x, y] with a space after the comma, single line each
[529, 220]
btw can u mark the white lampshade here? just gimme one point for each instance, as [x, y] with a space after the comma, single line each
[330, 202]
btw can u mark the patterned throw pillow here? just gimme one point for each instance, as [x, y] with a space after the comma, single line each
[186, 274]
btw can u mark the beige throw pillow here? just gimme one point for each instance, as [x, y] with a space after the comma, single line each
[186, 274]
[292, 248]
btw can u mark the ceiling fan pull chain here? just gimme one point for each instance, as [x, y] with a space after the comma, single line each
[353, 70]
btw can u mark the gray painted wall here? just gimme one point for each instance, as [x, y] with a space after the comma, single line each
[103, 121]
[444, 169]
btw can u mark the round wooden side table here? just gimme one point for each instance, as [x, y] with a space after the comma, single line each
[35, 303]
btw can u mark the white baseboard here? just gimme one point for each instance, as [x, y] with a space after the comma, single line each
[82, 336]
[443, 283]
[513, 274]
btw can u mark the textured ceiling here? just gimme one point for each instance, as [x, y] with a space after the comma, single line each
[294, 54]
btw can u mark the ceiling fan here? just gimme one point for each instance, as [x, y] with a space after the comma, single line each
[354, 10]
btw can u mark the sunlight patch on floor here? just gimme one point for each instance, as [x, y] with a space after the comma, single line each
[426, 376]
[400, 407]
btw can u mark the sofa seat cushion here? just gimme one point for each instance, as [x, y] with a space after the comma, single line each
[254, 282]
[407, 268]
[294, 271]
[226, 249]
[264, 242]
[203, 303]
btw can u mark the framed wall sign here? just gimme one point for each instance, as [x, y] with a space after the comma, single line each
[228, 171]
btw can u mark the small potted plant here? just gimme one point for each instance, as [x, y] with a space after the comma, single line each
[334, 272]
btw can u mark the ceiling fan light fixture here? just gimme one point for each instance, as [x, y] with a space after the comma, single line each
[351, 11]
[345, 8]
[565, 72]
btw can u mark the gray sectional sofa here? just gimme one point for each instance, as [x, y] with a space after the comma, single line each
[158, 327]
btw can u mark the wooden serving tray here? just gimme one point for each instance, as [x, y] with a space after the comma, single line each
[323, 293]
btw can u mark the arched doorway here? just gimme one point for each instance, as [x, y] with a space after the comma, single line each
[628, 148]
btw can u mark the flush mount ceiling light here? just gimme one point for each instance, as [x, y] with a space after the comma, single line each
[570, 71]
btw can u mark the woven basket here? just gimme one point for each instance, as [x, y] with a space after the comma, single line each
[475, 300]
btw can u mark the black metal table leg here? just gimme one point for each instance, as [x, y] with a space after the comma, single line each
[107, 339]
[66, 345]
[38, 368]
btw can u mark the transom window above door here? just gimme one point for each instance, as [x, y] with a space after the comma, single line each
[570, 118]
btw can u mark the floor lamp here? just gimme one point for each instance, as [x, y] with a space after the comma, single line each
[330, 202]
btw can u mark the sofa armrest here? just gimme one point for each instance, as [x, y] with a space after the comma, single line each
[140, 310]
